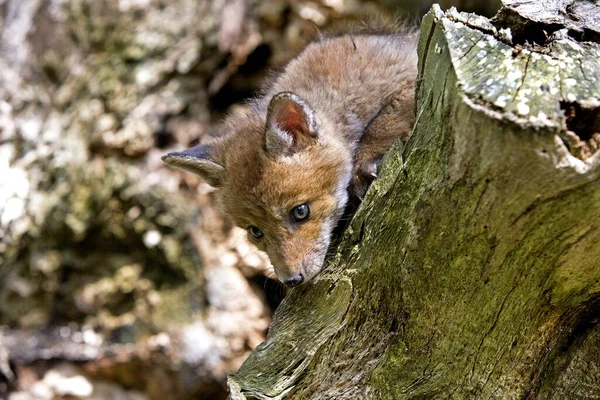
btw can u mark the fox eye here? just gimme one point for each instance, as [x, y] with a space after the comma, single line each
[254, 231]
[300, 213]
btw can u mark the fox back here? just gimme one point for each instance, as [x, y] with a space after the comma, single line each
[285, 170]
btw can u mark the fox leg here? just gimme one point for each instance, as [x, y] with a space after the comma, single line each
[394, 121]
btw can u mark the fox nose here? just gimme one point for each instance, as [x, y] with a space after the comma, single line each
[294, 280]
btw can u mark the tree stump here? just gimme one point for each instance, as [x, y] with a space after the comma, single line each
[472, 268]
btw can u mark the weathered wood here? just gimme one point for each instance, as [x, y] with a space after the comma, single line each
[472, 268]
[582, 17]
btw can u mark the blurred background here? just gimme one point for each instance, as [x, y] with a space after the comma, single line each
[118, 278]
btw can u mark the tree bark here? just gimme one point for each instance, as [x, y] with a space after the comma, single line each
[472, 268]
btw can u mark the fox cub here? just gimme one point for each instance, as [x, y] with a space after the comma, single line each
[311, 141]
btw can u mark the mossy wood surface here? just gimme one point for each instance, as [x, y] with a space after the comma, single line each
[472, 269]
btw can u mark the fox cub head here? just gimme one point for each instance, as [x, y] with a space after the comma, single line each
[282, 175]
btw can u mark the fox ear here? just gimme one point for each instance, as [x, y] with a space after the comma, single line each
[291, 125]
[198, 160]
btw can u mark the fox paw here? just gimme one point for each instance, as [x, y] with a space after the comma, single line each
[364, 174]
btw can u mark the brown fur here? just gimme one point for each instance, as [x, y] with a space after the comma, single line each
[345, 83]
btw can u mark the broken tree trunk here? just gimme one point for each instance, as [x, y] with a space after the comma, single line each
[472, 269]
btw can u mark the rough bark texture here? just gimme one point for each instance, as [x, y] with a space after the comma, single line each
[472, 269]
